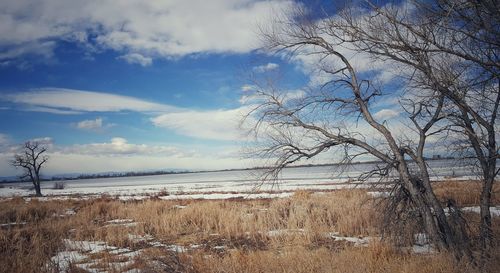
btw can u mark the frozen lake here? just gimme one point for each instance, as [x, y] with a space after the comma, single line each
[202, 184]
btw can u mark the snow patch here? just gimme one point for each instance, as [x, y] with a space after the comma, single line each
[91, 247]
[67, 212]
[139, 238]
[281, 232]
[421, 239]
[378, 194]
[64, 259]
[13, 224]
[423, 249]
[78, 253]
[358, 241]
[177, 248]
[132, 254]
[495, 211]
[121, 222]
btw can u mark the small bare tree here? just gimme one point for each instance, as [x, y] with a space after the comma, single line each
[31, 160]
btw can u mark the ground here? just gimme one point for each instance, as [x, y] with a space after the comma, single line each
[335, 231]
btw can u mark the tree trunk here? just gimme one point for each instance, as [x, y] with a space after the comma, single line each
[443, 233]
[486, 235]
[485, 231]
[444, 227]
[446, 234]
[432, 227]
[38, 190]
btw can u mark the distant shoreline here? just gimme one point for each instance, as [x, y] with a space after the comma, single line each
[153, 173]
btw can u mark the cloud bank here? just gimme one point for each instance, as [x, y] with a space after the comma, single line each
[140, 29]
[70, 101]
[221, 124]
[214, 125]
[118, 154]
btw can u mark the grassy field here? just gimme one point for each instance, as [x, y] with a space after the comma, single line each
[308, 232]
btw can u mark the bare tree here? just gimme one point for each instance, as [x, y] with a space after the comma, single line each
[451, 47]
[31, 161]
[338, 115]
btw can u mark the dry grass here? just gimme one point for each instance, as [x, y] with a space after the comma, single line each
[375, 258]
[28, 246]
[278, 235]
[465, 193]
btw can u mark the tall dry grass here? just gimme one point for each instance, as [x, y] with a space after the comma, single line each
[465, 193]
[278, 235]
[28, 246]
[374, 259]
[348, 212]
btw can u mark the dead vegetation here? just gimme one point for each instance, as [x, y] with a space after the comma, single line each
[303, 233]
[465, 193]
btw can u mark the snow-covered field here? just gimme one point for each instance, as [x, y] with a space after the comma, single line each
[225, 184]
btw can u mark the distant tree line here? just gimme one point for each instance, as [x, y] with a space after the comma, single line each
[111, 175]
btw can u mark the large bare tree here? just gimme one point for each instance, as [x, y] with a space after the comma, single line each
[31, 160]
[451, 47]
[443, 94]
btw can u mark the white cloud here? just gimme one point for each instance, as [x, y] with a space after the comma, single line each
[391, 101]
[265, 67]
[294, 95]
[43, 140]
[70, 101]
[315, 65]
[248, 87]
[42, 109]
[215, 124]
[9, 147]
[172, 28]
[246, 99]
[385, 114]
[136, 58]
[119, 146]
[47, 142]
[41, 49]
[313, 61]
[92, 124]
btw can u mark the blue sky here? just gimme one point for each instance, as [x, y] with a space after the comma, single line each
[109, 85]
[136, 85]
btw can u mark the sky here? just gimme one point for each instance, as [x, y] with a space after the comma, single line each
[134, 85]
[130, 85]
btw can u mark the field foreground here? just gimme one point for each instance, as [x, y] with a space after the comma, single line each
[337, 231]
